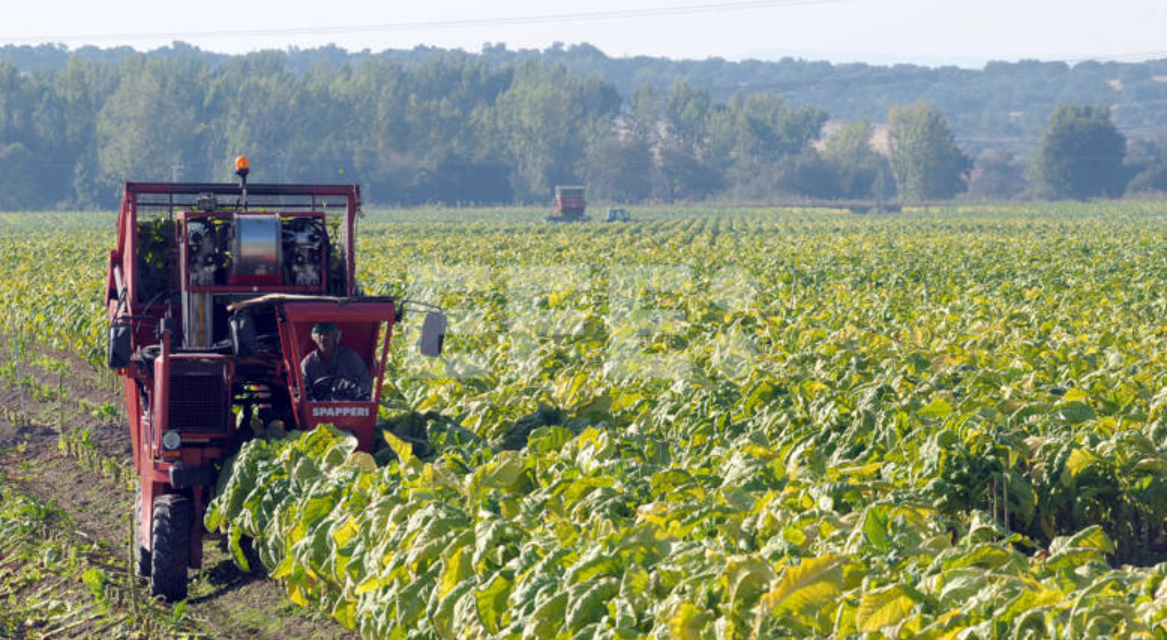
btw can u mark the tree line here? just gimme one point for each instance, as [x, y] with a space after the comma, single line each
[1002, 106]
[459, 128]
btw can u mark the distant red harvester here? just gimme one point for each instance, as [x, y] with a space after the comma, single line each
[569, 205]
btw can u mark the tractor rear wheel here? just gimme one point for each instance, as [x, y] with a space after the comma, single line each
[170, 553]
[141, 554]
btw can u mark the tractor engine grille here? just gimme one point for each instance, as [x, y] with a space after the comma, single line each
[199, 399]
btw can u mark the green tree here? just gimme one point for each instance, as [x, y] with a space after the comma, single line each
[925, 159]
[544, 121]
[1153, 179]
[152, 127]
[848, 151]
[645, 112]
[619, 170]
[750, 135]
[1079, 154]
[684, 177]
[687, 114]
[806, 174]
[18, 177]
[996, 177]
[83, 87]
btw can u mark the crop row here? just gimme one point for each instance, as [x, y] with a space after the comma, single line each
[732, 423]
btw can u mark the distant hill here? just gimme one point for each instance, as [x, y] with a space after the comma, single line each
[1002, 106]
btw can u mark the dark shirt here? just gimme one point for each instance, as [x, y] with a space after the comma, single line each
[345, 364]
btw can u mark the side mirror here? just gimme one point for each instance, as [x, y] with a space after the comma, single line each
[433, 334]
[117, 353]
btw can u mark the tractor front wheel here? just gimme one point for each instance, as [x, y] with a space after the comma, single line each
[170, 553]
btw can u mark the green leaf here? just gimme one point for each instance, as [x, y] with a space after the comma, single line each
[588, 602]
[96, 579]
[986, 556]
[883, 608]
[545, 440]
[959, 584]
[746, 579]
[234, 535]
[596, 564]
[1075, 412]
[938, 408]
[545, 621]
[875, 527]
[214, 515]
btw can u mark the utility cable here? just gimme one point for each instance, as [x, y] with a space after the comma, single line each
[578, 16]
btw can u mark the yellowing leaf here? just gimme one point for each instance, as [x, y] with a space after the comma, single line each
[687, 621]
[883, 608]
[504, 470]
[284, 568]
[806, 588]
[1093, 537]
[346, 614]
[370, 583]
[362, 460]
[439, 476]
[296, 594]
[403, 449]
[492, 601]
[1078, 460]
[344, 533]
[459, 567]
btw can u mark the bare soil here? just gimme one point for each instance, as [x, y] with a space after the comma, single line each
[224, 602]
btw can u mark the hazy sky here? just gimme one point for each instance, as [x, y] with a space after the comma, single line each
[964, 32]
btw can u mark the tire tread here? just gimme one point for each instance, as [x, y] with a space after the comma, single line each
[170, 553]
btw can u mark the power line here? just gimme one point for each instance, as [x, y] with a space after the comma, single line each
[579, 16]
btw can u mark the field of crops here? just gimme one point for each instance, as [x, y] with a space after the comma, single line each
[721, 423]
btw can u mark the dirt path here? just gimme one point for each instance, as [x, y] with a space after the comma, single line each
[223, 602]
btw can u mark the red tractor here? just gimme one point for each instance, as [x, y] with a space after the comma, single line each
[217, 294]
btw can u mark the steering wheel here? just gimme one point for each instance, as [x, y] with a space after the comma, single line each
[336, 388]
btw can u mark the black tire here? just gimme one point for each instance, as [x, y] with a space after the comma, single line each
[170, 555]
[141, 557]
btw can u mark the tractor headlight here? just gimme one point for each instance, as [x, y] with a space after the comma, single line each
[171, 440]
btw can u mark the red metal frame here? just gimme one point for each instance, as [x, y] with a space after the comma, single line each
[123, 301]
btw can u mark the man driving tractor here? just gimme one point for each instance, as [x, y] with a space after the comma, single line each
[333, 371]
